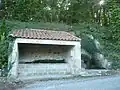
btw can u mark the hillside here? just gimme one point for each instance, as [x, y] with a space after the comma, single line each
[80, 30]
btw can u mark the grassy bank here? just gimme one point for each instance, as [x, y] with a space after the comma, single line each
[109, 49]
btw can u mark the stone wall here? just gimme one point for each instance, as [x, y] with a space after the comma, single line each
[42, 69]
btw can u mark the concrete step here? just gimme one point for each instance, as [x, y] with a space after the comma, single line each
[44, 77]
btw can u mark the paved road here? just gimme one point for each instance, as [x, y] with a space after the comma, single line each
[108, 83]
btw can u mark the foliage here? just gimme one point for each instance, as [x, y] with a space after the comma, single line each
[114, 32]
[89, 45]
[12, 25]
[116, 60]
[3, 45]
[79, 29]
[67, 11]
[80, 16]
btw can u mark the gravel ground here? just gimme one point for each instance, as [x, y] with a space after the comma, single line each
[7, 85]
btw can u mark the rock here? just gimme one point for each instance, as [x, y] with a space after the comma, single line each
[85, 55]
[91, 54]
[88, 43]
[86, 58]
[83, 65]
[97, 44]
[99, 60]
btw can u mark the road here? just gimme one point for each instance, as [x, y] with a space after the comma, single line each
[108, 83]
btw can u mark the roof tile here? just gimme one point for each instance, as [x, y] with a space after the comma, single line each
[44, 34]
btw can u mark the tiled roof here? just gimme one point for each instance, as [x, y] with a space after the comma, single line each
[44, 34]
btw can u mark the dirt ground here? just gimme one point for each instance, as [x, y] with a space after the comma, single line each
[5, 85]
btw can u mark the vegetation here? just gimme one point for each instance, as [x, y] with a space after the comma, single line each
[3, 45]
[102, 20]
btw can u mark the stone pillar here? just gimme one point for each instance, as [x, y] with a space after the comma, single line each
[76, 60]
[13, 61]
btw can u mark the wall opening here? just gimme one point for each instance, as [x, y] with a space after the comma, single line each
[42, 59]
[43, 53]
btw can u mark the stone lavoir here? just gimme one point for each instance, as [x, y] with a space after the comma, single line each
[37, 52]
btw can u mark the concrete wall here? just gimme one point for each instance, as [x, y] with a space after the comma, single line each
[13, 60]
[43, 69]
[72, 55]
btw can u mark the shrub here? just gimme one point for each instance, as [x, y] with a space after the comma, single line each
[3, 45]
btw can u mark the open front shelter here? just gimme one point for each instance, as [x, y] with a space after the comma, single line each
[37, 52]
